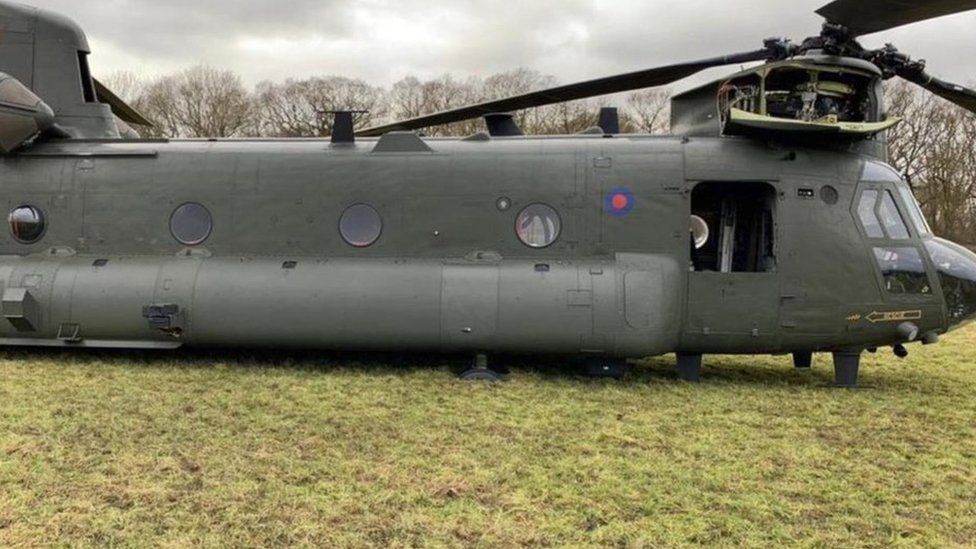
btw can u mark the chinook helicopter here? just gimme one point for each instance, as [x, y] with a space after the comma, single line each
[768, 223]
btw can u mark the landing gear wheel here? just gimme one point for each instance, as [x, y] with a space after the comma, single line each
[481, 374]
[479, 371]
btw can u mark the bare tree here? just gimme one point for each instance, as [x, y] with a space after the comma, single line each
[298, 108]
[565, 118]
[212, 103]
[412, 97]
[518, 82]
[126, 84]
[935, 146]
[919, 131]
[648, 111]
[157, 101]
[132, 88]
[197, 102]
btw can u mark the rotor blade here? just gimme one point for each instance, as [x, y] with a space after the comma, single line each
[119, 107]
[960, 95]
[869, 16]
[603, 86]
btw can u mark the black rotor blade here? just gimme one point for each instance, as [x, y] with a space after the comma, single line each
[603, 86]
[119, 107]
[869, 16]
[960, 95]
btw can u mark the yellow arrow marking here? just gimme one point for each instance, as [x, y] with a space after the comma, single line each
[894, 316]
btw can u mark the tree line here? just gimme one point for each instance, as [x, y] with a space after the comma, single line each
[935, 145]
[208, 102]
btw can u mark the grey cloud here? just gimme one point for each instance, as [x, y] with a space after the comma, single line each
[571, 39]
[181, 29]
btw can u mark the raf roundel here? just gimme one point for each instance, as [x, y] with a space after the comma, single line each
[619, 202]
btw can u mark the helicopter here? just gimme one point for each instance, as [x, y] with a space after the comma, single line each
[767, 222]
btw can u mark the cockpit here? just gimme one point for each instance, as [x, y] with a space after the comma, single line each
[892, 221]
[957, 274]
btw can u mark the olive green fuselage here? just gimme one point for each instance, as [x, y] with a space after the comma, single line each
[448, 271]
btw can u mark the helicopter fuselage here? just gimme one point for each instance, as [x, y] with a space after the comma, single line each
[439, 261]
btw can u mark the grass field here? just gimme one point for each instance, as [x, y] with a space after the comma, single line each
[231, 449]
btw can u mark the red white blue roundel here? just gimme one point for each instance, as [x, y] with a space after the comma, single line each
[619, 202]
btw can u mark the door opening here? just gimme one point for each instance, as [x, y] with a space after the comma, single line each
[740, 226]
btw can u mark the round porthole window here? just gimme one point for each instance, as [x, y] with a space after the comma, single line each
[699, 231]
[538, 226]
[191, 224]
[360, 225]
[829, 195]
[27, 224]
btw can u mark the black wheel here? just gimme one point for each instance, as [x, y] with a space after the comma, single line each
[480, 374]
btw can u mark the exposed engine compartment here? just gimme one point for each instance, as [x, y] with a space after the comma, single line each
[815, 98]
[801, 93]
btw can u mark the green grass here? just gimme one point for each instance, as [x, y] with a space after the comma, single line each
[236, 449]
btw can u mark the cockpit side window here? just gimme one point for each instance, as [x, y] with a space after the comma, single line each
[894, 223]
[903, 271]
[867, 215]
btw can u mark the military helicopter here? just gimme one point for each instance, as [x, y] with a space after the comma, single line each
[768, 223]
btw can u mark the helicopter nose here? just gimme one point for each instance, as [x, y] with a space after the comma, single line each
[957, 271]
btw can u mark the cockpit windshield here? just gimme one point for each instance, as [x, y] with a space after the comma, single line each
[883, 173]
[957, 272]
[914, 210]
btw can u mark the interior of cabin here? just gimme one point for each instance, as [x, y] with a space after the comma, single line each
[741, 230]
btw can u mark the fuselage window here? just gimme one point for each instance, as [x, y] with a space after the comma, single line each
[829, 195]
[27, 224]
[903, 270]
[191, 224]
[869, 219]
[538, 226]
[894, 223]
[360, 225]
[739, 222]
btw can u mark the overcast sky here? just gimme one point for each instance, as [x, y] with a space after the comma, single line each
[382, 41]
